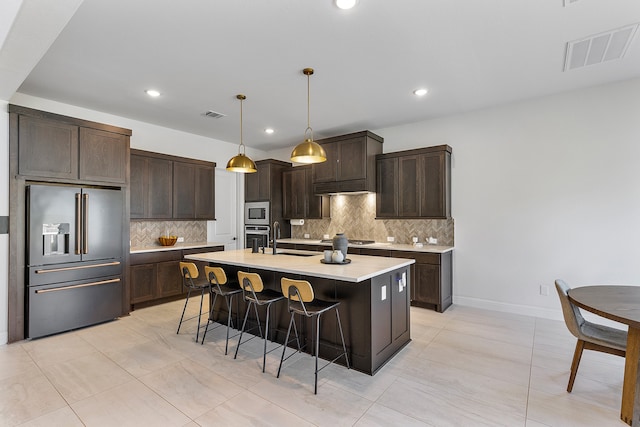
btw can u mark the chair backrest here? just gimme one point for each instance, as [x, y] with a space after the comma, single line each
[304, 289]
[189, 270]
[254, 279]
[571, 313]
[215, 275]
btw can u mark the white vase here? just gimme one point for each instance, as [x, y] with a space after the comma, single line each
[337, 256]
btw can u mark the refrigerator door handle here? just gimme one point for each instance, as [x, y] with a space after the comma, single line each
[85, 223]
[83, 285]
[82, 267]
[78, 222]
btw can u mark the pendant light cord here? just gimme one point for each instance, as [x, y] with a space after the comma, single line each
[241, 142]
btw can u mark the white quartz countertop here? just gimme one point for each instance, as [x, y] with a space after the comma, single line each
[177, 246]
[361, 267]
[384, 246]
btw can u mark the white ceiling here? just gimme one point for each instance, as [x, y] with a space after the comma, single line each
[470, 54]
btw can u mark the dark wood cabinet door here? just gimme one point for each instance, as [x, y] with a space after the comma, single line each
[293, 193]
[256, 185]
[138, 186]
[387, 188]
[47, 148]
[400, 301]
[427, 284]
[159, 200]
[103, 156]
[432, 194]
[143, 282]
[205, 192]
[318, 207]
[327, 171]
[352, 155]
[169, 279]
[184, 191]
[409, 186]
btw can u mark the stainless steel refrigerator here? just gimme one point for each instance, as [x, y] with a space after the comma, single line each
[74, 257]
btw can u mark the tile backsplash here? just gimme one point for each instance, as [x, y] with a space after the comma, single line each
[355, 216]
[146, 233]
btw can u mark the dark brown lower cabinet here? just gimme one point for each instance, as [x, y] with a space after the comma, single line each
[431, 275]
[155, 276]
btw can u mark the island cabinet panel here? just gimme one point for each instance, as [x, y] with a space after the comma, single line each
[414, 183]
[155, 276]
[59, 147]
[350, 165]
[375, 328]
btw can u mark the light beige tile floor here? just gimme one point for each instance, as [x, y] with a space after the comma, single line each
[464, 367]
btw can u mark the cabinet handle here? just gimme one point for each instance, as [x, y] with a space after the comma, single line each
[83, 285]
[56, 270]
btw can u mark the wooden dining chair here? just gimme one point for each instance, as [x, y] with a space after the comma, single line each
[591, 336]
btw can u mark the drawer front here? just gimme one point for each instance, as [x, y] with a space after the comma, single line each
[420, 257]
[151, 257]
[73, 271]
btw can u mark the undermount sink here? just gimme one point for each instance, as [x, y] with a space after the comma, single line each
[296, 253]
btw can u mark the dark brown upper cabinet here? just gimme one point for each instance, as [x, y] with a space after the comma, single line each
[298, 200]
[414, 183]
[151, 187]
[65, 148]
[170, 187]
[350, 165]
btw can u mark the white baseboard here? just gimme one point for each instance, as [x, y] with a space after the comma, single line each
[525, 310]
[4, 337]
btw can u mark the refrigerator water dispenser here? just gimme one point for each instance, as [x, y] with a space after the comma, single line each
[55, 239]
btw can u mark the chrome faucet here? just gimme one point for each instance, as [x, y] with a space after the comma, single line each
[276, 235]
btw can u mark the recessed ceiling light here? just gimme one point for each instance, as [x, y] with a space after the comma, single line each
[420, 92]
[346, 4]
[152, 93]
[269, 131]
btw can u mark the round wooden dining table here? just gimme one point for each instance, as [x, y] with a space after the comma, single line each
[621, 304]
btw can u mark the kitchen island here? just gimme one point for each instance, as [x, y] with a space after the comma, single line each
[373, 294]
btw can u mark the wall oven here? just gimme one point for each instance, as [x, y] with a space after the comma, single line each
[260, 232]
[256, 213]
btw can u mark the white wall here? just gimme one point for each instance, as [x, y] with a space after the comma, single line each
[544, 189]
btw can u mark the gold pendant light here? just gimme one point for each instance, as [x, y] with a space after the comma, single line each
[308, 151]
[241, 163]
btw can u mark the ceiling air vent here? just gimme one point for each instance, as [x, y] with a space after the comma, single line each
[599, 47]
[214, 115]
[568, 2]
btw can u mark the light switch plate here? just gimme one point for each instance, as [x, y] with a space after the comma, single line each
[391, 239]
[383, 295]
[306, 235]
[180, 239]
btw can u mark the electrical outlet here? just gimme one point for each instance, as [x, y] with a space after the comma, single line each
[544, 290]
[180, 239]
[391, 239]
[306, 235]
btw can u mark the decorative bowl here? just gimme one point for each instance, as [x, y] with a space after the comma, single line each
[168, 240]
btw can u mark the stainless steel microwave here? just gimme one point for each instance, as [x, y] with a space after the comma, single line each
[256, 213]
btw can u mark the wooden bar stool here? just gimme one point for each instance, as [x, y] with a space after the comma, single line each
[301, 300]
[191, 281]
[219, 287]
[255, 294]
